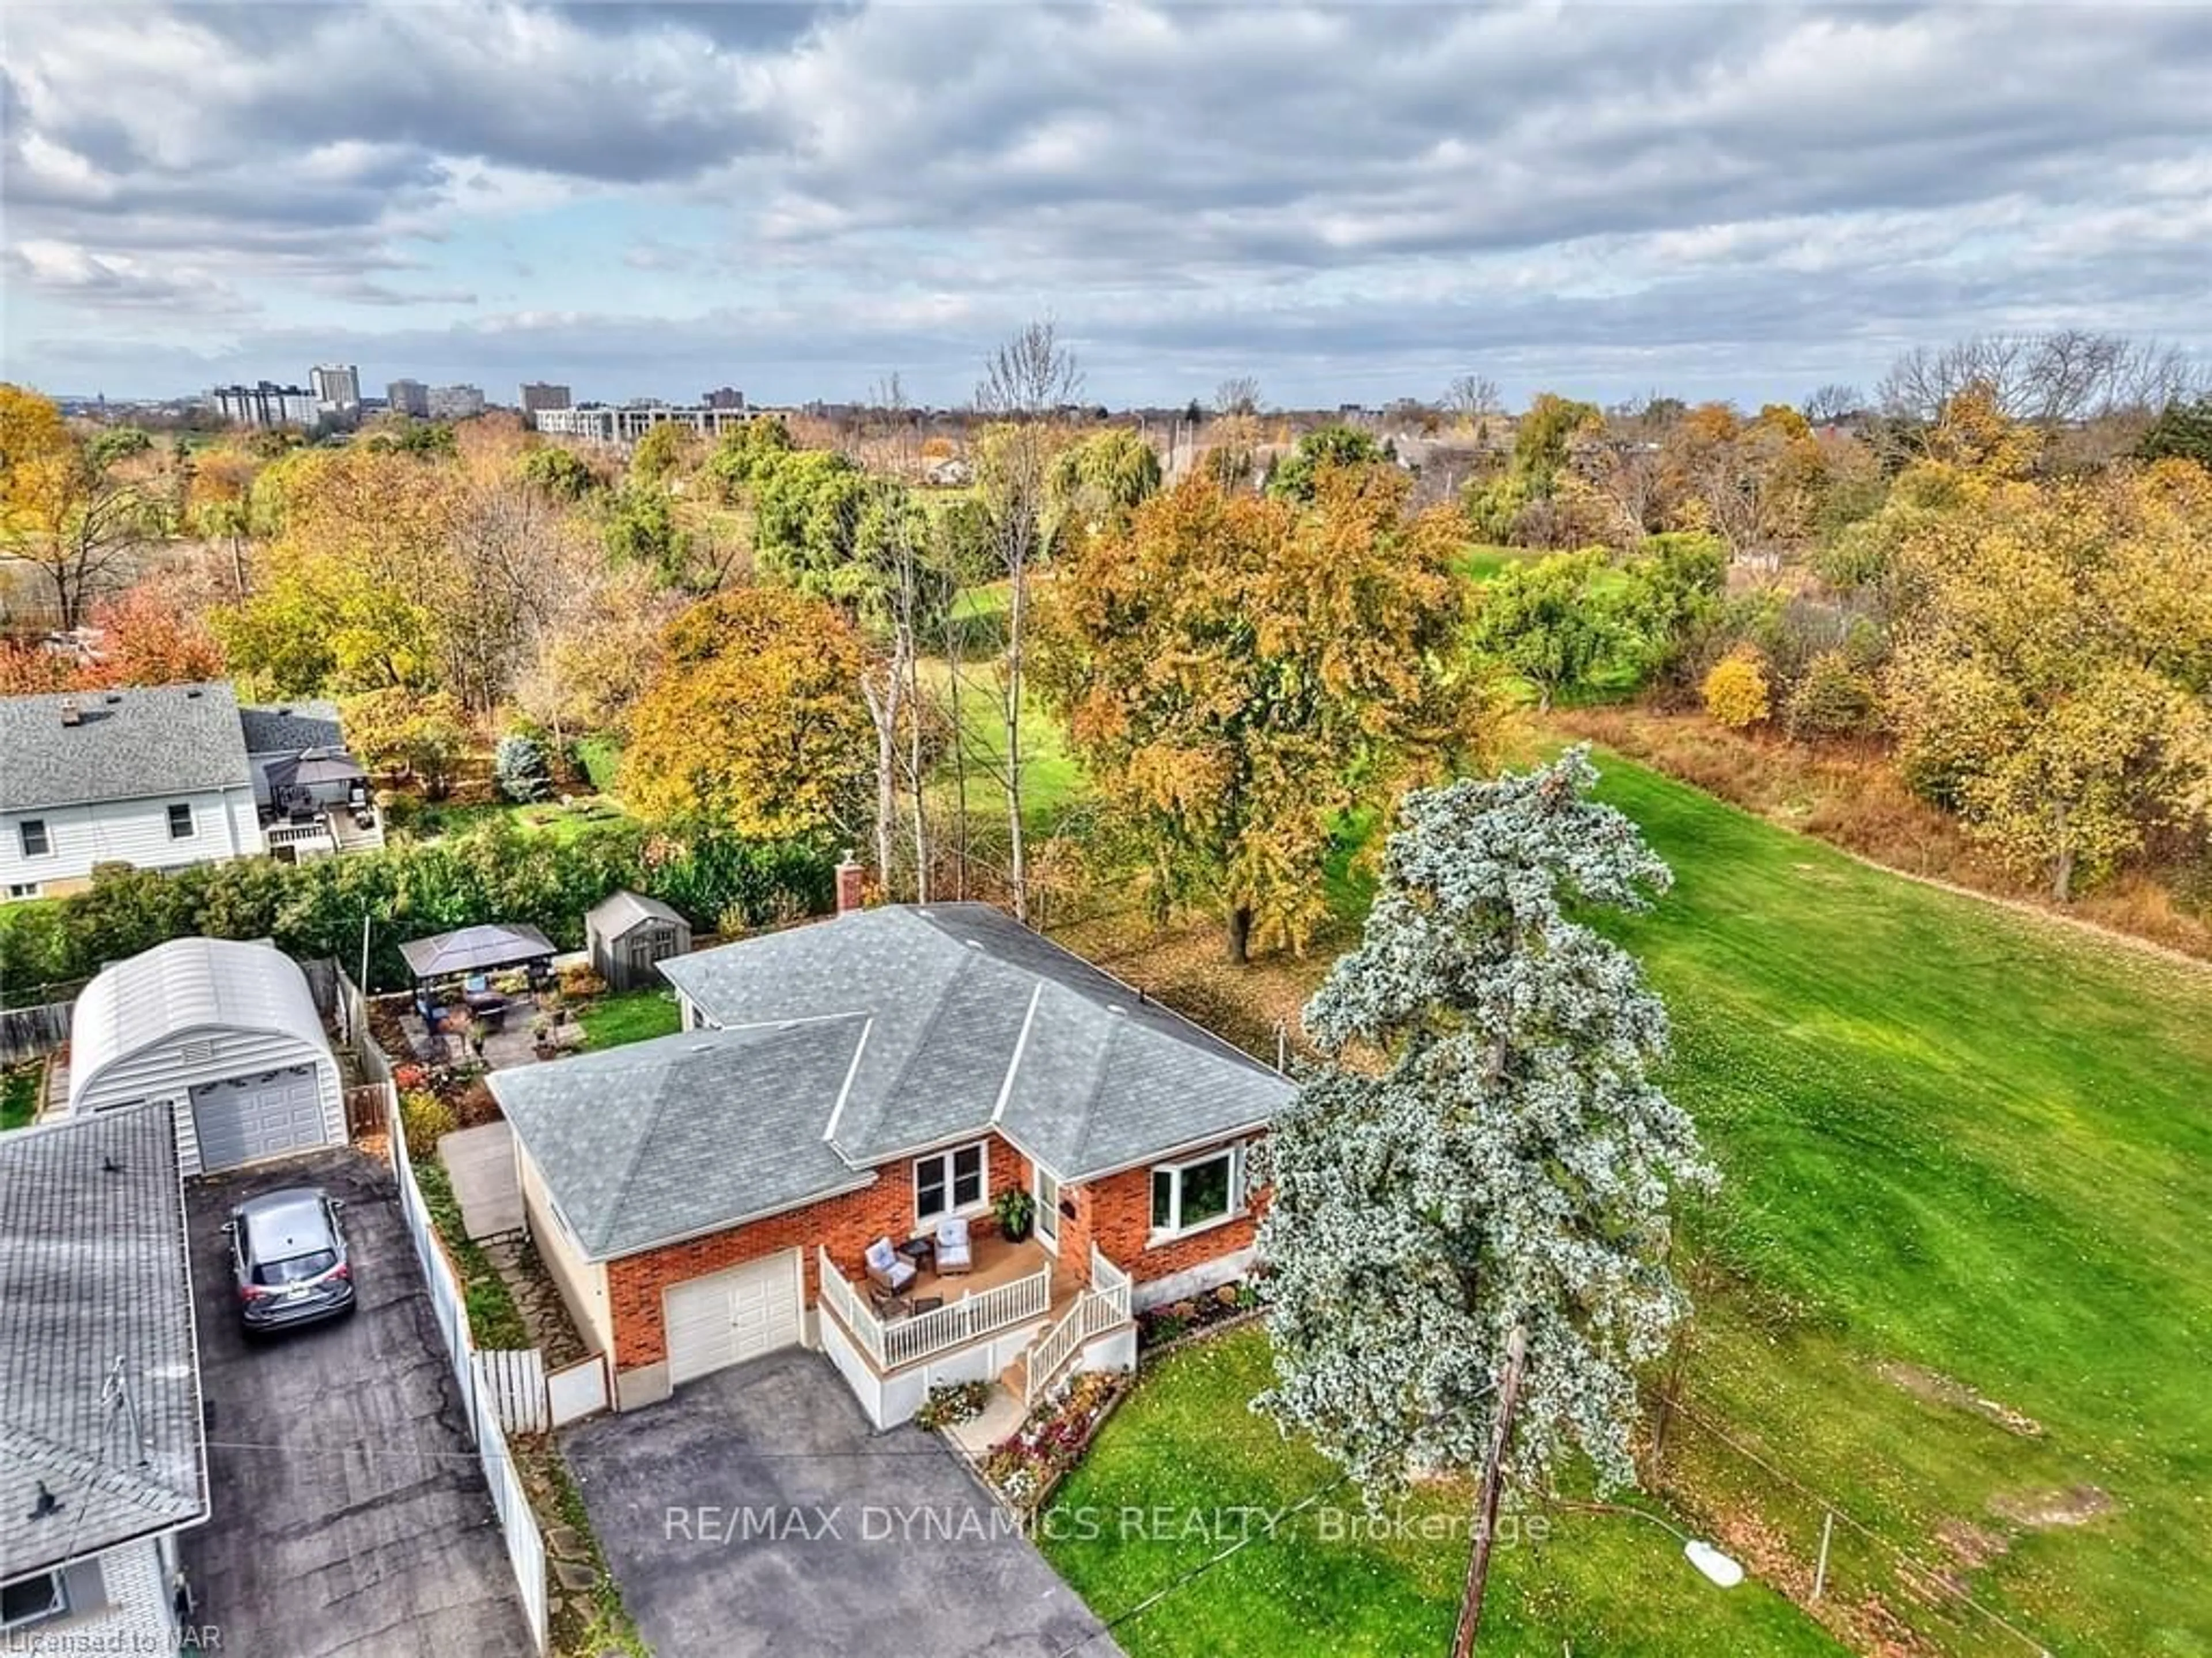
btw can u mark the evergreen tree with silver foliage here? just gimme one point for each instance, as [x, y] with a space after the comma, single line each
[1484, 1150]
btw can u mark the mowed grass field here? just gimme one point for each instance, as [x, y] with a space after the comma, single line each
[1957, 1290]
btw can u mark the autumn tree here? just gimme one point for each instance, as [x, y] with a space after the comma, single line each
[1736, 692]
[755, 722]
[1098, 482]
[1514, 505]
[419, 735]
[1239, 675]
[2054, 648]
[145, 641]
[68, 506]
[1486, 1150]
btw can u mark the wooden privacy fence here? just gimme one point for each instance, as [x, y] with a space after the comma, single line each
[32, 1033]
[369, 1106]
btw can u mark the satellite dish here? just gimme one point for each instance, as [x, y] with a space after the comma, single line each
[1713, 1564]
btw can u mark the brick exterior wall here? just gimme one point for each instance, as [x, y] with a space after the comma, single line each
[1116, 1213]
[845, 1226]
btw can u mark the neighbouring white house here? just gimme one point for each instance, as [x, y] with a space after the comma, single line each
[227, 1033]
[165, 776]
[103, 1459]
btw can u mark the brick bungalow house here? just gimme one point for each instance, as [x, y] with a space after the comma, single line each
[711, 1196]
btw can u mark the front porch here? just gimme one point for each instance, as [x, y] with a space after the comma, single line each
[1020, 1318]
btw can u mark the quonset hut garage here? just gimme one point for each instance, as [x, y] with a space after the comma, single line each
[229, 1034]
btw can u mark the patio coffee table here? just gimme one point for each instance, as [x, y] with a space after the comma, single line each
[922, 1252]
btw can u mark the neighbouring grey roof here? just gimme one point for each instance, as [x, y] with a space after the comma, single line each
[619, 911]
[186, 985]
[128, 745]
[291, 727]
[94, 1270]
[684, 1133]
[965, 1006]
[475, 950]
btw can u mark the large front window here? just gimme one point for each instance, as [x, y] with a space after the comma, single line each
[1189, 1195]
[31, 1600]
[946, 1182]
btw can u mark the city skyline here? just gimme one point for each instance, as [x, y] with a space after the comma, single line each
[1348, 204]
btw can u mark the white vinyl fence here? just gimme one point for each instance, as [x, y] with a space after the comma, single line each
[525, 1546]
[581, 1390]
[511, 1384]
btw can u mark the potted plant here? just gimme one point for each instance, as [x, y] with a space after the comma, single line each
[1015, 1209]
[541, 1035]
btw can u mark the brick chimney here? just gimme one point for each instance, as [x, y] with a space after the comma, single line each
[850, 876]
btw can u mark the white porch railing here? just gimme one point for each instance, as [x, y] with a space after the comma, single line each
[305, 840]
[1097, 1311]
[909, 1340]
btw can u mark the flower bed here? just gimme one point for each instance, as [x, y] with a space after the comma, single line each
[1161, 1326]
[952, 1402]
[1024, 1467]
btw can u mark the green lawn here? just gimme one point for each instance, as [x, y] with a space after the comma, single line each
[19, 1094]
[1974, 1141]
[1053, 779]
[562, 823]
[1968, 1154]
[1164, 1486]
[631, 1016]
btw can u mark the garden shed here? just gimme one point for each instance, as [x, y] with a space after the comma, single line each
[627, 932]
[225, 1032]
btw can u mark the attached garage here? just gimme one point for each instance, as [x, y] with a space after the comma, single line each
[225, 1032]
[719, 1321]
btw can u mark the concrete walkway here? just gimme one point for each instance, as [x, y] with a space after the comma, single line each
[482, 1163]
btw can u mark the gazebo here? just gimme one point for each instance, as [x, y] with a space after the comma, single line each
[469, 954]
[315, 778]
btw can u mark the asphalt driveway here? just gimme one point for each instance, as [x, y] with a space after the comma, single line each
[757, 1512]
[349, 1513]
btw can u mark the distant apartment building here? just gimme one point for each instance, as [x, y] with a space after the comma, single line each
[409, 398]
[336, 384]
[267, 405]
[598, 423]
[726, 396]
[539, 397]
[456, 402]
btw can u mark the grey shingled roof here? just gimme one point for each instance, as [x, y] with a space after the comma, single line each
[684, 1133]
[965, 1004]
[623, 909]
[92, 1268]
[130, 746]
[290, 728]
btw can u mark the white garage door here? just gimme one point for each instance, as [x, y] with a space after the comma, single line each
[737, 1314]
[245, 1119]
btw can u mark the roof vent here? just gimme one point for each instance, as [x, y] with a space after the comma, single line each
[1114, 1007]
[974, 943]
[703, 1047]
[112, 698]
[193, 693]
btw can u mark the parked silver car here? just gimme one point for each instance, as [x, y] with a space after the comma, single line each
[288, 1256]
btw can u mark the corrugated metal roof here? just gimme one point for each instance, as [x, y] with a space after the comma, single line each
[187, 984]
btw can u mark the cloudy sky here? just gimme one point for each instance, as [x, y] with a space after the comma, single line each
[1353, 202]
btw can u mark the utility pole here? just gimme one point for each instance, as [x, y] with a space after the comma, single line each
[1486, 1502]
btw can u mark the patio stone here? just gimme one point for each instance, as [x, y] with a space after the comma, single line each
[574, 1578]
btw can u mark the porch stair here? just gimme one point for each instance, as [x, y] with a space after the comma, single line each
[1015, 1378]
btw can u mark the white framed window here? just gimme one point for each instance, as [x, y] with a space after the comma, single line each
[30, 1600]
[180, 821]
[951, 1181]
[23, 889]
[1197, 1193]
[32, 832]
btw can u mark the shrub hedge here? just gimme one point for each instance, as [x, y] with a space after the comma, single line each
[489, 873]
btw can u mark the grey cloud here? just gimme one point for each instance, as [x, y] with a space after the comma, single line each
[1323, 197]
